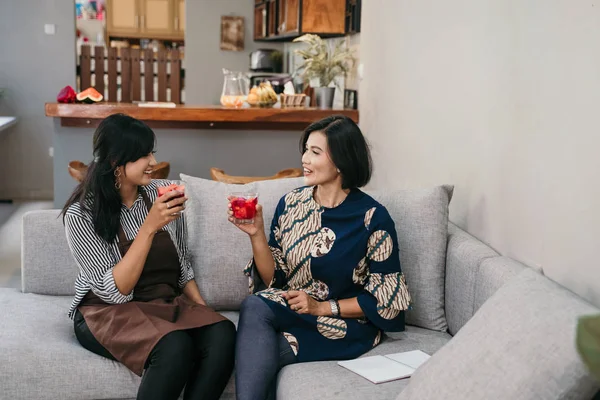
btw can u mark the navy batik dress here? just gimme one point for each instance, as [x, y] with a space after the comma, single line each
[334, 253]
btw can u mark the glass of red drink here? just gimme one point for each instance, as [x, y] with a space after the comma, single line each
[243, 205]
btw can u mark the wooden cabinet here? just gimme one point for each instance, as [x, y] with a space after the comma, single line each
[180, 17]
[122, 17]
[157, 18]
[272, 21]
[284, 20]
[353, 8]
[289, 17]
[146, 19]
[260, 21]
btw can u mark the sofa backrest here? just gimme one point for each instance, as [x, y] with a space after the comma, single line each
[474, 272]
[47, 266]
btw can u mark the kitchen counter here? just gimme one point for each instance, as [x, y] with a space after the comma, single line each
[194, 117]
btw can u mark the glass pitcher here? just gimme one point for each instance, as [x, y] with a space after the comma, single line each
[235, 88]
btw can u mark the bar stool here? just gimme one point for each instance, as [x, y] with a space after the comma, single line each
[77, 170]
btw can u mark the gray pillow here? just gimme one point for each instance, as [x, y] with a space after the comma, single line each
[421, 218]
[219, 251]
[519, 345]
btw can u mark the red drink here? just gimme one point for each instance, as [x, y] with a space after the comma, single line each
[166, 189]
[244, 208]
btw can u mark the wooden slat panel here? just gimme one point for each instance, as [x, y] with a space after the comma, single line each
[148, 75]
[112, 74]
[125, 75]
[162, 75]
[136, 82]
[85, 65]
[175, 77]
[99, 69]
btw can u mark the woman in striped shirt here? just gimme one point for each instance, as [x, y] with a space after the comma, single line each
[136, 298]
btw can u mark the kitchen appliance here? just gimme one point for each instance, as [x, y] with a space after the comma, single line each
[265, 60]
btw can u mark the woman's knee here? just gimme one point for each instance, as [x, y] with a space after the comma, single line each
[218, 347]
[174, 348]
[251, 304]
[222, 335]
[255, 310]
[227, 330]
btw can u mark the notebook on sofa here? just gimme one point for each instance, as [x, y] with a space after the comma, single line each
[390, 367]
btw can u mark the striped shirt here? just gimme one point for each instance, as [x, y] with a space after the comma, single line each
[96, 258]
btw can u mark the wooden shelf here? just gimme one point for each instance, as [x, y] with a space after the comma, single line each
[194, 117]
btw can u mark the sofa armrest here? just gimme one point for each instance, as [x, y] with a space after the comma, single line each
[474, 272]
[464, 254]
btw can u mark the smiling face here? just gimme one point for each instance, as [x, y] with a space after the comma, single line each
[138, 172]
[316, 161]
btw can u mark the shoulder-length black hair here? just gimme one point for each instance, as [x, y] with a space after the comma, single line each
[119, 139]
[348, 149]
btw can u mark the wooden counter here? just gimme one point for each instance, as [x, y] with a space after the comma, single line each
[194, 117]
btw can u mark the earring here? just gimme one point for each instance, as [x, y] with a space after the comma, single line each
[117, 174]
[338, 170]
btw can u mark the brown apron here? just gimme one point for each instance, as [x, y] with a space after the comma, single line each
[130, 331]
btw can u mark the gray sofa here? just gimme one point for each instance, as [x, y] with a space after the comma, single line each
[508, 331]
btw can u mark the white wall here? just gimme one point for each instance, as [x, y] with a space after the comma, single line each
[502, 99]
[204, 79]
[33, 68]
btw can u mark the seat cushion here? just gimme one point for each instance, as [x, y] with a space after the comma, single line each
[219, 250]
[327, 380]
[40, 357]
[519, 345]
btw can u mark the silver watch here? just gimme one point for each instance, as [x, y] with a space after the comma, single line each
[335, 309]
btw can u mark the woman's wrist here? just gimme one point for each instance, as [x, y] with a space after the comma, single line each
[259, 235]
[146, 231]
[325, 309]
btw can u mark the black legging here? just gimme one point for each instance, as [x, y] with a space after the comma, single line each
[200, 359]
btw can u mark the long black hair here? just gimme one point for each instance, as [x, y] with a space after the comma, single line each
[119, 139]
[348, 148]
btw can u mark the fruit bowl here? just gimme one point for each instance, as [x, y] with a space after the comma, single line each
[263, 104]
[262, 95]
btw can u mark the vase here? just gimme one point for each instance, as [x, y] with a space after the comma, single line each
[324, 97]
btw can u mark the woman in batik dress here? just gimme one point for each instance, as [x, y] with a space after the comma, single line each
[327, 282]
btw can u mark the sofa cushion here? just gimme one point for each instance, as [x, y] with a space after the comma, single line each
[519, 345]
[47, 264]
[40, 357]
[327, 380]
[421, 218]
[218, 249]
